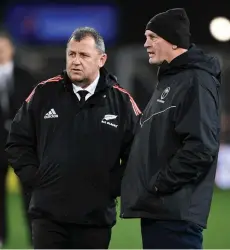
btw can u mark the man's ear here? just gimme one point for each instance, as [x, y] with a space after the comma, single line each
[102, 60]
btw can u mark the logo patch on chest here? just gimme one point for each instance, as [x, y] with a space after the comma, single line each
[107, 120]
[163, 95]
[51, 114]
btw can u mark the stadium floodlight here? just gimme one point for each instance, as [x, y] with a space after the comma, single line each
[220, 28]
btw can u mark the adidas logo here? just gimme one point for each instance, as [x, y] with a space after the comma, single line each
[51, 114]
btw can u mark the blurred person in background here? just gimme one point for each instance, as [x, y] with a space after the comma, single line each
[169, 177]
[15, 84]
[3, 162]
[66, 143]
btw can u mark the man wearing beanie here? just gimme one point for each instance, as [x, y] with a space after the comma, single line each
[169, 178]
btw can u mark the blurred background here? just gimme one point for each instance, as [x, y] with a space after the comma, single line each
[39, 31]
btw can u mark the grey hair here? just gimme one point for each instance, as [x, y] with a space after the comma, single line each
[83, 32]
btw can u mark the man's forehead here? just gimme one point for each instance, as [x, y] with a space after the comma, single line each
[87, 41]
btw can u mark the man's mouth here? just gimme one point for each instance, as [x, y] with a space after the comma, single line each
[151, 54]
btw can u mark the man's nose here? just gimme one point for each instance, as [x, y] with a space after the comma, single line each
[76, 60]
[146, 44]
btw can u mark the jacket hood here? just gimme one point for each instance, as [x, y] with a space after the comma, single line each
[194, 58]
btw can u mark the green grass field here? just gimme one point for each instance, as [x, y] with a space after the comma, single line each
[126, 234]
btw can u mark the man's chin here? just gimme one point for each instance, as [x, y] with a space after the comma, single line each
[75, 78]
[154, 62]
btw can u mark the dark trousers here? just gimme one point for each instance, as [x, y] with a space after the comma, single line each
[170, 235]
[48, 234]
[3, 211]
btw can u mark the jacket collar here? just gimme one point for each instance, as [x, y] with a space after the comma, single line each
[106, 80]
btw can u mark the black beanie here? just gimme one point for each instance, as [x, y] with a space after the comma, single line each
[173, 26]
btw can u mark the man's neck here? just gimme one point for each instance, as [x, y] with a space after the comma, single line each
[86, 83]
[176, 53]
[82, 84]
[91, 88]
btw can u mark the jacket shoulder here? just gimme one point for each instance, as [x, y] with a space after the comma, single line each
[44, 84]
[51, 80]
[127, 97]
[205, 80]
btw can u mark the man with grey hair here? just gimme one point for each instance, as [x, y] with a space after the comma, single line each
[70, 142]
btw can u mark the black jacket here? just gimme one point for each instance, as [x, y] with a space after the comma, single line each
[22, 83]
[171, 170]
[70, 155]
[3, 161]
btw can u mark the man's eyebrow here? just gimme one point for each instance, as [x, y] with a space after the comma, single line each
[153, 35]
[84, 53]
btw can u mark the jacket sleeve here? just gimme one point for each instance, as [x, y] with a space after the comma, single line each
[21, 142]
[132, 118]
[197, 124]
